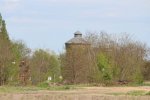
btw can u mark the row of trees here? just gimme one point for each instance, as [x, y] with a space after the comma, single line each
[111, 58]
[42, 63]
[118, 57]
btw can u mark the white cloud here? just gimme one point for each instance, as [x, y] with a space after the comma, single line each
[10, 5]
[75, 1]
[12, 0]
[95, 1]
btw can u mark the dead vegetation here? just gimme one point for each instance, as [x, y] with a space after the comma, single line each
[84, 93]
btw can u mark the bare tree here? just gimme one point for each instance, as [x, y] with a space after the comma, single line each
[125, 55]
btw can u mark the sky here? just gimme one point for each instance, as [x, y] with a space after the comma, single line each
[48, 24]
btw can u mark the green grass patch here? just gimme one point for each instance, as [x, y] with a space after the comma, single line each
[137, 84]
[137, 93]
[31, 89]
[59, 88]
[146, 84]
[18, 89]
[148, 93]
[52, 86]
[39, 87]
[43, 85]
[132, 93]
[116, 94]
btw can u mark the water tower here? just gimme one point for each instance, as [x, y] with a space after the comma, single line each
[77, 59]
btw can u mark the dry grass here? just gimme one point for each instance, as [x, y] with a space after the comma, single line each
[69, 97]
[75, 93]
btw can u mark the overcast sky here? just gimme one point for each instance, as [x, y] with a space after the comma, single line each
[50, 23]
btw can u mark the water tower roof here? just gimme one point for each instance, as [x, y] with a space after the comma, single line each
[77, 39]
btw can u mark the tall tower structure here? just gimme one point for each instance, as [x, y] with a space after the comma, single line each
[77, 59]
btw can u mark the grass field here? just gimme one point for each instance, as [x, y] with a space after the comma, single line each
[75, 92]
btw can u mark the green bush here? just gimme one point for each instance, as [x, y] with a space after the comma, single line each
[138, 79]
[104, 68]
[43, 85]
[148, 93]
[136, 93]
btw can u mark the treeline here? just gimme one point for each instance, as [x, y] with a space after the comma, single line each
[19, 65]
[113, 57]
[119, 58]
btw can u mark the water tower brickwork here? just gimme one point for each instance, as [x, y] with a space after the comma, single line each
[77, 59]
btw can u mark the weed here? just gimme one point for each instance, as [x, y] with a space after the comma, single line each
[116, 94]
[148, 93]
[136, 93]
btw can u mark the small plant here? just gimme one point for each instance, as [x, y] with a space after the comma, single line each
[64, 87]
[136, 93]
[115, 94]
[43, 85]
[67, 87]
[104, 68]
[146, 84]
[148, 93]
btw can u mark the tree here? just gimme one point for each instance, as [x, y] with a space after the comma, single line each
[120, 53]
[20, 53]
[104, 67]
[43, 65]
[6, 56]
[3, 30]
[11, 53]
[21, 50]
[76, 62]
[146, 70]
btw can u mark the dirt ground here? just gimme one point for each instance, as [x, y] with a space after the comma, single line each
[86, 93]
